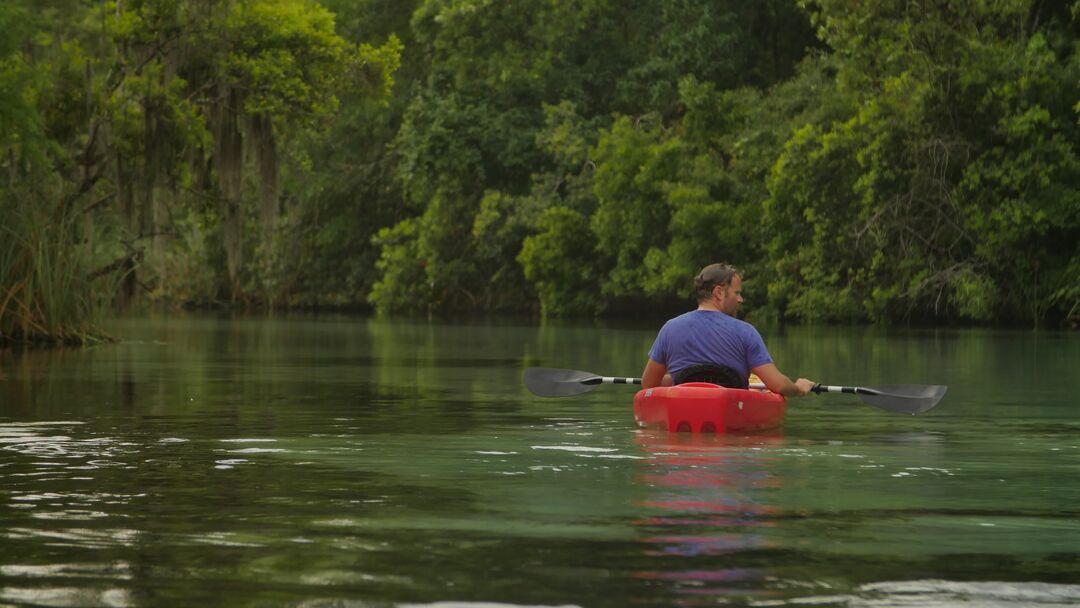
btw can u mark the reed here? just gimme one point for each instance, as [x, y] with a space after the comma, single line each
[46, 295]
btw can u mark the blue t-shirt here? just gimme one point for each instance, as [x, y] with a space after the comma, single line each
[709, 336]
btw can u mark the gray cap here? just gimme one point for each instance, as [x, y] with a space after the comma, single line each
[713, 275]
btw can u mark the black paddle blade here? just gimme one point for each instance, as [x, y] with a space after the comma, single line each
[903, 398]
[551, 382]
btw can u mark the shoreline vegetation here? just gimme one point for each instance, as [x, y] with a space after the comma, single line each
[882, 163]
[47, 295]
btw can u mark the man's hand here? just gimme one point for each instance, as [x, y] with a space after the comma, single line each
[803, 386]
[779, 383]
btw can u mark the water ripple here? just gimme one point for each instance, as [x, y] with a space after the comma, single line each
[67, 596]
[946, 594]
[76, 537]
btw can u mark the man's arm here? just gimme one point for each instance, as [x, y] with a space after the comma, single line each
[777, 382]
[655, 374]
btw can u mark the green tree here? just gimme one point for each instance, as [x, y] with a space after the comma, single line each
[346, 193]
[175, 123]
[50, 287]
[956, 116]
[230, 80]
[558, 261]
[482, 123]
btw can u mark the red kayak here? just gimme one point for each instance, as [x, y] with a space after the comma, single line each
[700, 407]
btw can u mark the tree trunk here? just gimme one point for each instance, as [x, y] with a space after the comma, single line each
[229, 162]
[262, 135]
[164, 195]
[125, 199]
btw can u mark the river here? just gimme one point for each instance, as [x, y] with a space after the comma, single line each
[351, 461]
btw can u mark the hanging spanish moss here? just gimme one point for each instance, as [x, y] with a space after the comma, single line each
[229, 164]
[265, 149]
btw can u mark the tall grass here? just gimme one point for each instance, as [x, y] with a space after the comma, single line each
[46, 295]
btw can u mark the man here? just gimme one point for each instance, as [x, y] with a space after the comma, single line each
[710, 344]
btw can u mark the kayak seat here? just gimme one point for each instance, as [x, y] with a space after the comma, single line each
[720, 375]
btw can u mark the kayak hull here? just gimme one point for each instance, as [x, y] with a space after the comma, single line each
[699, 407]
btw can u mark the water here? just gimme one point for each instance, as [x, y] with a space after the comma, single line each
[357, 462]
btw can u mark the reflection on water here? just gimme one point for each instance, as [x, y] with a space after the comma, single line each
[706, 494]
[359, 462]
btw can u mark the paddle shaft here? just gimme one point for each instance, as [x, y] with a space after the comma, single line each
[850, 390]
[611, 380]
[896, 402]
[902, 398]
[621, 380]
[818, 388]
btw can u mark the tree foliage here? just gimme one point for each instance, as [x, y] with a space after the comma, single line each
[167, 130]
[947, 188]
[879, 161]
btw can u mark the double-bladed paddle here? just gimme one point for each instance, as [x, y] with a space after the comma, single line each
[552, 382]
[901, 398]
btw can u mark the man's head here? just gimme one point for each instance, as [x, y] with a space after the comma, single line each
[722, 285]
